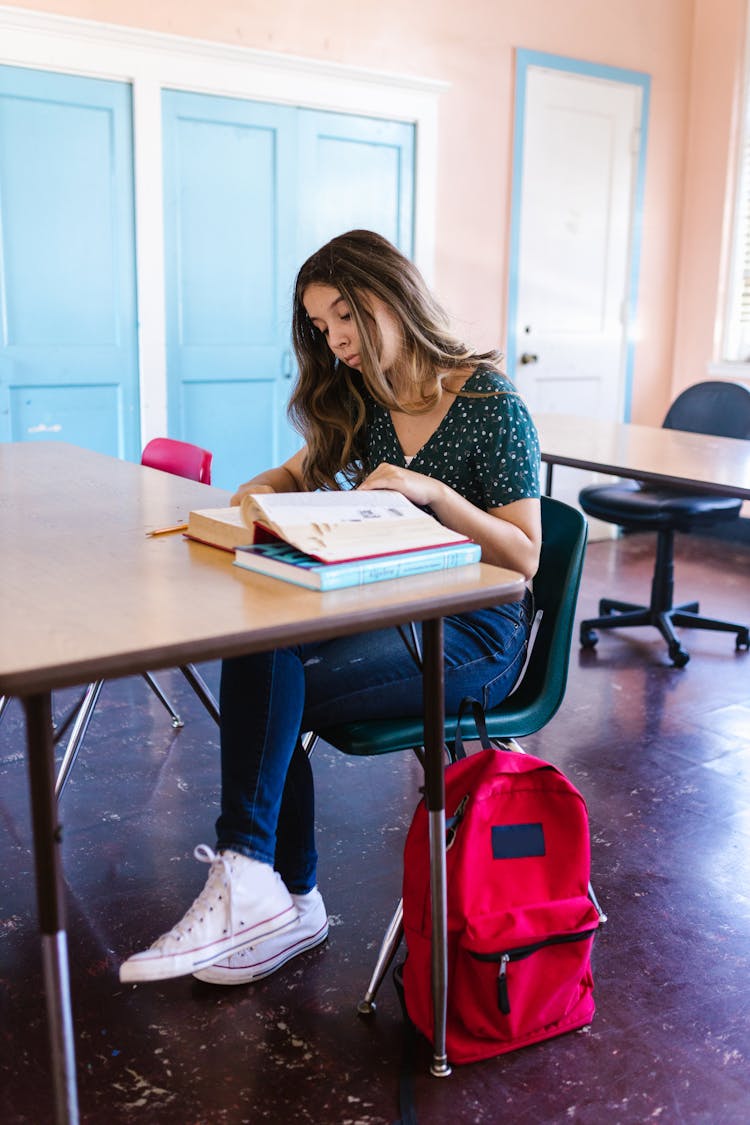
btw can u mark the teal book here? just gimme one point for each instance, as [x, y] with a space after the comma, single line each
[280, 560]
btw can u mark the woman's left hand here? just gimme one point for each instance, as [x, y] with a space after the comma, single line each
[509, 536]
[420, 489]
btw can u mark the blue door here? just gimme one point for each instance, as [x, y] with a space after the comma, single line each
[250, 190]
[229, 191]
[357, 173]
[68, 334]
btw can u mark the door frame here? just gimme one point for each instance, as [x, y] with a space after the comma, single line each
[524, 60]
[152, 62]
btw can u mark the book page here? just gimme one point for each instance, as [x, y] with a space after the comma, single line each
[334, 526]
[295, 509]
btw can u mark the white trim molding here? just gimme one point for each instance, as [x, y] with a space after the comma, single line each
[735, 372]
[151, 62]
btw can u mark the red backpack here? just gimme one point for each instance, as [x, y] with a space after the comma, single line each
[520, 922]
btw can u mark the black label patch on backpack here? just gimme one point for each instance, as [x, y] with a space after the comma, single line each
[517, 841]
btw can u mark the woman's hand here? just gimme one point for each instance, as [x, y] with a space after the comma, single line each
[510, 536]
[417, 487]
[244, 489]
[286, 478]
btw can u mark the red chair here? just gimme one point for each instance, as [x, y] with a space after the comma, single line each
[182, 459]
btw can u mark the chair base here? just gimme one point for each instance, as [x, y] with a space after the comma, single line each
[619, 615]
[386, 953]
[85, 708]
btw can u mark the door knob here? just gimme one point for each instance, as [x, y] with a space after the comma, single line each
[528, 357]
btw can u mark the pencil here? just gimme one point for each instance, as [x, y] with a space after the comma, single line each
[167, 530]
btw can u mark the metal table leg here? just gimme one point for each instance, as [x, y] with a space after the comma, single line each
[434, 735]
[49, 888]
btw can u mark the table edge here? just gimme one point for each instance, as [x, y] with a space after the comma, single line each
[26, 683]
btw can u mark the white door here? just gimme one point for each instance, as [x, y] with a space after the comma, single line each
[581, 141]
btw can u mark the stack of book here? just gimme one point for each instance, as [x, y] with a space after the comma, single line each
[328, 540]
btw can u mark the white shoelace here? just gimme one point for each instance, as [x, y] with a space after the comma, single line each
[218, 877]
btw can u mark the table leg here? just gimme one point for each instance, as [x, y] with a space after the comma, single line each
[434, 745]
[49, 887]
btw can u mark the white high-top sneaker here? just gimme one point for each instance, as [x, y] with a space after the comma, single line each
[243, 902]
[260, 960]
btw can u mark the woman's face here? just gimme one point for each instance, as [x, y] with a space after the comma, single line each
[330, 314]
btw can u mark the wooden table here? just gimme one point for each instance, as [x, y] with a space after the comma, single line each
[85, 594]
[710, 464]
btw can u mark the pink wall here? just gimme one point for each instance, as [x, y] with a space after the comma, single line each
[713, 120]
[691, 49]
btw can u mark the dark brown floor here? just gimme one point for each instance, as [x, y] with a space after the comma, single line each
[663, 758]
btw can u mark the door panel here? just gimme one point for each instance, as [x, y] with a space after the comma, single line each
[359, 173]
[356, 173]
[575, 202]
[250, 191]
[229, 170]
[234, 418]
[575, 224]
[85, 415]
[68, 352]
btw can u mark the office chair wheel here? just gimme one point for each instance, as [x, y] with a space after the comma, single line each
[678, 655]
[589, 638]
[743, 639]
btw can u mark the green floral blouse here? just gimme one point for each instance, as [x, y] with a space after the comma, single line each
[487, 449]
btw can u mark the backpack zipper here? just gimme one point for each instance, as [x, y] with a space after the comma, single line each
[518, 954]
[453, 822]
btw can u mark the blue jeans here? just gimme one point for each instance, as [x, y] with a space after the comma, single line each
[268, 699]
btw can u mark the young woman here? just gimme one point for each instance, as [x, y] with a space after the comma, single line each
[386, 397]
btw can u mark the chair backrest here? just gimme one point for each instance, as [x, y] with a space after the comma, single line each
[541, 690]
[713, 407]
[556, 585]
[181, 458]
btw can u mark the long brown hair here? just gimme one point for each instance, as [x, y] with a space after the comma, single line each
[327, 405]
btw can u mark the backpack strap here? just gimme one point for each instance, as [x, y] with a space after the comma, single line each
[468, 703]
[406, 1104]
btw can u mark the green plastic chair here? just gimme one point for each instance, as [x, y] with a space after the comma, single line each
[530, 706]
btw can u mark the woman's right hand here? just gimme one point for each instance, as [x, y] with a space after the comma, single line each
[246, 488]
[286, 478]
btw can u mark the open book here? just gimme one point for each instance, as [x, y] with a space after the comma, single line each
[344, 526]
[219, 527]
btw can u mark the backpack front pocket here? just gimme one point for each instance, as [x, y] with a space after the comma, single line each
[525, 972]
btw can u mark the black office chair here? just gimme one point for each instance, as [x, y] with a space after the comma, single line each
[713, 407]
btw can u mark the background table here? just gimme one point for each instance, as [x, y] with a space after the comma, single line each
[85, 594]
[710, 464]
